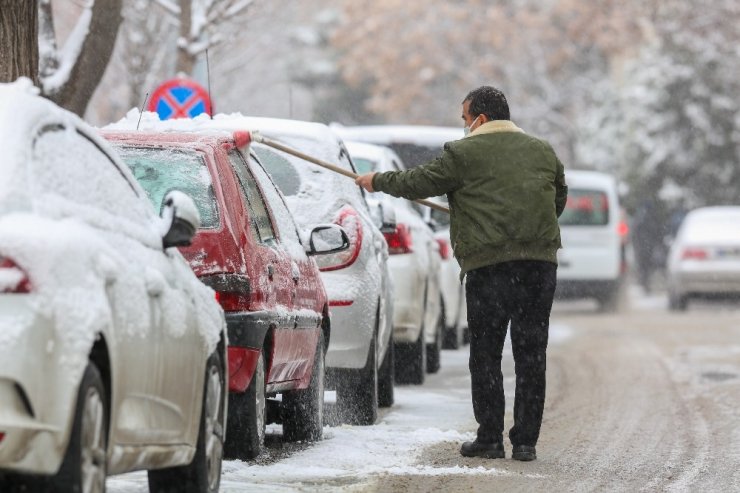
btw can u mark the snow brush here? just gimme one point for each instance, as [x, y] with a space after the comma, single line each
[257, 137]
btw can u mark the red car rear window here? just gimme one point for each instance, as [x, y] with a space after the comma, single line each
[160, 170]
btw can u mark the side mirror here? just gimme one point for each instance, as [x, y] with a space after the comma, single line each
[326, 239]
[180, 219]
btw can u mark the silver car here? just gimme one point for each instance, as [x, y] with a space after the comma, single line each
[704, 259]
[111, 352]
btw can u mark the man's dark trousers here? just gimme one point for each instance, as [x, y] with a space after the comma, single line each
[520, 292]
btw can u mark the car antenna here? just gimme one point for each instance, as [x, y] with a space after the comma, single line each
[142, 111]
[208, 76]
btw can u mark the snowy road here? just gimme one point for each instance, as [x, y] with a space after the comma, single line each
[642, 400]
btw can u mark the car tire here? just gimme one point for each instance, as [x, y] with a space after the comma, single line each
[85, 462]
[411, 361]
[245, 437]
[358, 392]
[453, 336]
[387, 377]
[677, 302]
[612, 299]
[303, 410]
[203, 474]
[434, 350]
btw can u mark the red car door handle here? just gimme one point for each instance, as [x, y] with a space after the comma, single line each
[270, 271]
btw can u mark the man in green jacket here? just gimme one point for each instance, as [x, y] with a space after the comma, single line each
[506, 190]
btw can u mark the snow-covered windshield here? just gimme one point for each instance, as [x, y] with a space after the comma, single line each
[160, 170]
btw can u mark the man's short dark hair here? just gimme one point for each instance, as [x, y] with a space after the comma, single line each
[489, 101]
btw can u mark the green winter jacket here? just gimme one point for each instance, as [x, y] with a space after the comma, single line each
[506, 191]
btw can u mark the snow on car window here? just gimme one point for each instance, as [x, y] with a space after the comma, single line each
[160, 170]
[73, 178]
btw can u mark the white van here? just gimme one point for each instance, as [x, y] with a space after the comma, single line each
[592, 260]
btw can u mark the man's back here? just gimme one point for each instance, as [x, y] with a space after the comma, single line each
[506, 197]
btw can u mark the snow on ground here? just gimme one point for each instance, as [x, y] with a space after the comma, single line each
[439, 411]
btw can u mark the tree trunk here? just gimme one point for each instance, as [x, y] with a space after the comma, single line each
[185, 61]
[75, 93]
[19, 46]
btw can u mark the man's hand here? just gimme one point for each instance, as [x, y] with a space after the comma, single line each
[366, 181]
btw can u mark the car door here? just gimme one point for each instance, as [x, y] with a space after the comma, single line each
[274, 274]
[307, 290]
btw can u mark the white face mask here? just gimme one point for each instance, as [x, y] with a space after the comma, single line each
[466, 130]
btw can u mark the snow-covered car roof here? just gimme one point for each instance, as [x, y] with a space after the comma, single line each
[23, 113]
[422, 135]
[585, 178]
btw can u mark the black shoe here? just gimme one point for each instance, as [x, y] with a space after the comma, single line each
[524, 453]
[483, 450]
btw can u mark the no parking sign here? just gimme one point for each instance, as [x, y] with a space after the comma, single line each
[180, 98]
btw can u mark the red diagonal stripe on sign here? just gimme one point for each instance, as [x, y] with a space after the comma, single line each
[180, 110]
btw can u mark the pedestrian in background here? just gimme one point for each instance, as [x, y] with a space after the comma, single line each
[506, 190]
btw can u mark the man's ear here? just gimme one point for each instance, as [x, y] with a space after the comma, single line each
[484, 118]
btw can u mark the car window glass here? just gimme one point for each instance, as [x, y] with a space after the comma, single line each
[74, 174]
[364, 165]
[283, 218]
[159, 170]
[282, 172]
[585, 208]
[254, 198]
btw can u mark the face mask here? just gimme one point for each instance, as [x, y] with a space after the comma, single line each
[466, 130]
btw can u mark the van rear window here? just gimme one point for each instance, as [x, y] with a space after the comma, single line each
[585, 208]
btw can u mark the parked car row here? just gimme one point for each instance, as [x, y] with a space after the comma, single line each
[135, 340]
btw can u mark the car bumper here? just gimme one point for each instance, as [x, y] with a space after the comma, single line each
[352, 312]
[708, 282]
[576, 289]
[408, 299]
[36, 396]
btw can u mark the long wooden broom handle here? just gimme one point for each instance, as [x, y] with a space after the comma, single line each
[277, 145]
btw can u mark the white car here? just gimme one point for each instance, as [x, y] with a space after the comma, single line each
[112, 353]
[415, 145]
[359, 359]
[453, 290]
[704, 259]
[591, 263]
[418, 318]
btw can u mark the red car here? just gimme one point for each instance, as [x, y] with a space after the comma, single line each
[249, 251]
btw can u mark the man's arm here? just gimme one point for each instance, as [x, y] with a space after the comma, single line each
[429, 180]
[561, 189]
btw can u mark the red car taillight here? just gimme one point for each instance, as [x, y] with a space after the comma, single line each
[13, 279]
[444, 248]
[694, 254]
[232, 290]
[622, 229]
[399, 241]
[350, 221]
